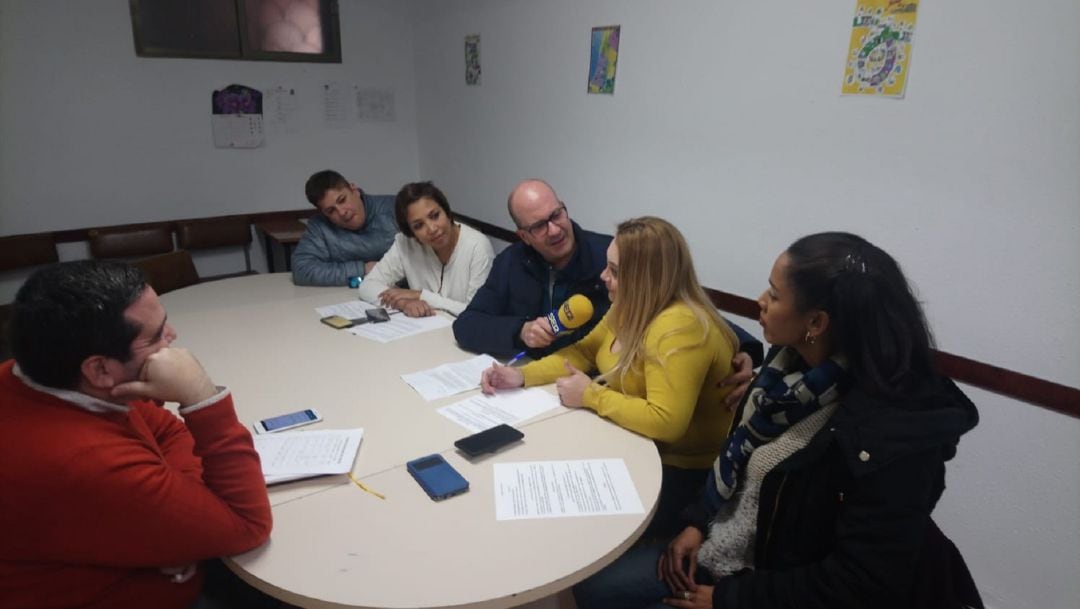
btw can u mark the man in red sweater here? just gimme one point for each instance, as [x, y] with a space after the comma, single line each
[106, 498]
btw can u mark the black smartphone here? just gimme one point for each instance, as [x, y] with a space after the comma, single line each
[489, 440]
[377, 315]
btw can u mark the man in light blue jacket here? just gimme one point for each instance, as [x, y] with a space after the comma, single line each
[349, 235]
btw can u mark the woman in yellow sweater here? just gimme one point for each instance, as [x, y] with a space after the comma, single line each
[659, 351]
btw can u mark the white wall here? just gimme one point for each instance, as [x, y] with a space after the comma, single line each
[727, 120]
[92, 135]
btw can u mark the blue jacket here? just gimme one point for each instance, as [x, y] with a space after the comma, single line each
[516, 292]
[328, 254]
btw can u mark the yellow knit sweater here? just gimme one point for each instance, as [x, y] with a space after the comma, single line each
[672, 399]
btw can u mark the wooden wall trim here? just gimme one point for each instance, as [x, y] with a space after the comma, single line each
[1048, 394]
[83, 234]
[1016, 385]
[490, 230]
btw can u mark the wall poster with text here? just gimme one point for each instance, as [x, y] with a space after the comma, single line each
[879, 55]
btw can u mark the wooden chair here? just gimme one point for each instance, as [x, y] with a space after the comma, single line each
[131, 242]
[169, 272]
[27, 250]
[214, 234]
[20, 252]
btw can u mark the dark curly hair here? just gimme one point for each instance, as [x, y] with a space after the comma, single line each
[67, 312]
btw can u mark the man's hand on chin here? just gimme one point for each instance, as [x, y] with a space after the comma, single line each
[170, 375]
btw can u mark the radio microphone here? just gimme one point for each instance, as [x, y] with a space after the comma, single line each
[571, 315]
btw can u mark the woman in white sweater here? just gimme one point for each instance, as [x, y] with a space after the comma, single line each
[443, 262]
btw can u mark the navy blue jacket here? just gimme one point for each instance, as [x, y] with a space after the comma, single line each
[516, 292]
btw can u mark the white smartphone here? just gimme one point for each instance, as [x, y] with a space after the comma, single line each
[288, 421]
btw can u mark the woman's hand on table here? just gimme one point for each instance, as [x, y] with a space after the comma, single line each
[500, 377]
[397, 297]
[571, 389]
[417, 308]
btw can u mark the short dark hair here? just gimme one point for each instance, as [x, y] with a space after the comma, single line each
[411, 193]
[874, 318]
[322, 181]
[67, 312]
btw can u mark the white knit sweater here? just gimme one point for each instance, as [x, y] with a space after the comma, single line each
[449, 288]
[730, 545]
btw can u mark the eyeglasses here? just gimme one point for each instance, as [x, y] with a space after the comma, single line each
[538, 228]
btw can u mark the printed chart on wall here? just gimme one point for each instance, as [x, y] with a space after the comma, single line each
[281, 106]
[374, 104]
[345, 103]
[603, 56]
[472, 59]
[879, 56]
[237, 117]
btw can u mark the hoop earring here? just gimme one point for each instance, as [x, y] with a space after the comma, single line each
[810, 338]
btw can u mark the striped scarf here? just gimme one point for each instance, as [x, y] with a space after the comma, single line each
[784, 393]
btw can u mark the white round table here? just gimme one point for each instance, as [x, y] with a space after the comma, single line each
[335, 545]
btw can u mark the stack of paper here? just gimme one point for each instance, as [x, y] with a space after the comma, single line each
[448, 379]
[557, 489]
[513, 406]
[353, 309]
[400, 326]
[292, 455]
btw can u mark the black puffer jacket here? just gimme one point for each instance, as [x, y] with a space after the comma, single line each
[845, 522]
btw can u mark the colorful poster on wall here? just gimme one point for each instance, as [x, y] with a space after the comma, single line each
[879, 56]
[603, 57]
[472, 59]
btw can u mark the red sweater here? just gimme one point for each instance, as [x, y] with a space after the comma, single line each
[93, 505]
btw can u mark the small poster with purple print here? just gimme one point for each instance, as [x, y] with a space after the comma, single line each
[237, 117]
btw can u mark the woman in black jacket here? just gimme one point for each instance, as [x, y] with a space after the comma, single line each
[823, 494]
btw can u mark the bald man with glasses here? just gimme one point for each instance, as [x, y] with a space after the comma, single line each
[554, 260]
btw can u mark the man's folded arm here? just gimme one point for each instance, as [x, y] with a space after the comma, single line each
[312, 265]
[142, 510]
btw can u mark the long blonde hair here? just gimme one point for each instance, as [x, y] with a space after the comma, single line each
[655, 271]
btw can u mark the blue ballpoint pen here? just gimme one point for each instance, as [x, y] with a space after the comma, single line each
[514, 360]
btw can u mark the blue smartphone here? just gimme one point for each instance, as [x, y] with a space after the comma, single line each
[438, 479]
